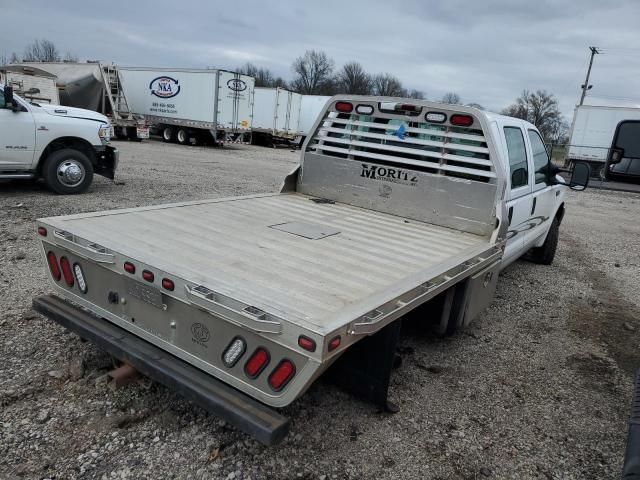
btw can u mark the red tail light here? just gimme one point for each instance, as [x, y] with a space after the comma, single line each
[129, 267]
[66, 271]
[53, 266]
[256, 364]
[282, 374]
[344, 107]
[307, 343]
[168, 284]
[147, 275]
[461, 120]
[334, 343]
[42, 231]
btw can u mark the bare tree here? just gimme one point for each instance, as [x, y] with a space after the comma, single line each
[312, 72]
[69, 58]
[263, 76]
[353, 79]
[387, 85]
[14, 58]
[451, 98]
[41, 51]
[541, 109]
[417, 94]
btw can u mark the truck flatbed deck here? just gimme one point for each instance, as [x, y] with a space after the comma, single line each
[319, 264]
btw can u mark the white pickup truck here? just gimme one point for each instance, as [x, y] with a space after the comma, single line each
[241, 303]
[64, 146]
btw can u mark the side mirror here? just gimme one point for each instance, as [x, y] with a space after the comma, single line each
[8, 96]
[616, 155]
[580, 176]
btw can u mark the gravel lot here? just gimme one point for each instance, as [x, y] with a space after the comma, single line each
[538, 387]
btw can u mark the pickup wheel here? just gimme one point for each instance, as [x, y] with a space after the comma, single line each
[168, 134]
[544, 255]
[67, 171]
[182, 136]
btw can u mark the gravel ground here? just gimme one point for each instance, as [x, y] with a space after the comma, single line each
[538, 387]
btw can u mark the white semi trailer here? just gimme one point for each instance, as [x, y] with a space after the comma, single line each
[276, 116]
[32, 84]
[191, 106]
[310, 108]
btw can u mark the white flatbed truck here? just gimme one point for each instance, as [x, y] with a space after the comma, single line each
[241, 303]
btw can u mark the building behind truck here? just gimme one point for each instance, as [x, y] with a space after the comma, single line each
[191, 106]
[95, 86]
[32, 84]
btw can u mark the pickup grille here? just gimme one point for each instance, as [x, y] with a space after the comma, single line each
[405, 141]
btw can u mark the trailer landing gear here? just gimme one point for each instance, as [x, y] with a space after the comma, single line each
[365, 369]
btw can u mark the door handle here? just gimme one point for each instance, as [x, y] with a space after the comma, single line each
[533, 207]
[510, 214]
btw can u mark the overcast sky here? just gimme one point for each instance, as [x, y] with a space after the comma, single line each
[487, 51]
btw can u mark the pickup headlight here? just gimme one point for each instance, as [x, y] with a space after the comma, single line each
[104, 132]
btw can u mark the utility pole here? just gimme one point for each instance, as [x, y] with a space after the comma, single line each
[586, 86]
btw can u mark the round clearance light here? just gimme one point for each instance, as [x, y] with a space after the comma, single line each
[364, 109]
[42, 231]
[234, 351]
[435, 117]
[79, 274]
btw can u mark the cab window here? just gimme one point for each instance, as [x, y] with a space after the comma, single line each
[2, 104]
[517, 157]
[540, 157]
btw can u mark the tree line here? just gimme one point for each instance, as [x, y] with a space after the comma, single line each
[315, 73]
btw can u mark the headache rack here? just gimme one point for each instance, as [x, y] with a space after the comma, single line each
[438, 139]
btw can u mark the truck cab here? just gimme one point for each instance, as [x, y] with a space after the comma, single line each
[62, 145]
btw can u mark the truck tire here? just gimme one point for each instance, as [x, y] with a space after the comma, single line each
[544, 255]
[182, 136]
[168, 134]
[67, 171]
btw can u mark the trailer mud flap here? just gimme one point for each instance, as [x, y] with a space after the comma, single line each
[365, 369]
[252, 417]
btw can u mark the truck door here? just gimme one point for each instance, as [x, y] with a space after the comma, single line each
[626, 147]
[519, 203]
[17, 136]
[543, 194]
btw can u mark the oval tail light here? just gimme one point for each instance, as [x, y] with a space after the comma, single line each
[79, 274]
[257, 363]
[282, 375]
[461, 120]
[53, 266]
[66, 271]
[344, 107]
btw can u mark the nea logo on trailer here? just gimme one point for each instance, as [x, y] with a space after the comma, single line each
[164, 87]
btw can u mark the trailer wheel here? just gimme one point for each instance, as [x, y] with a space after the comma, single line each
[67, 171]
[545, 254]
[168, 134]
[182, 136]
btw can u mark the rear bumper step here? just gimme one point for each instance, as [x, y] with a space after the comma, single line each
[252, 417]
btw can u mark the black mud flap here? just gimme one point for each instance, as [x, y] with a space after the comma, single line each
[107, 162]
[245, 413]
[365, 369]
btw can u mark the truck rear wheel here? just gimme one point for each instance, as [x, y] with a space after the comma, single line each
[182, 136]
[67, 171]
[545, 254]
[168, 134]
